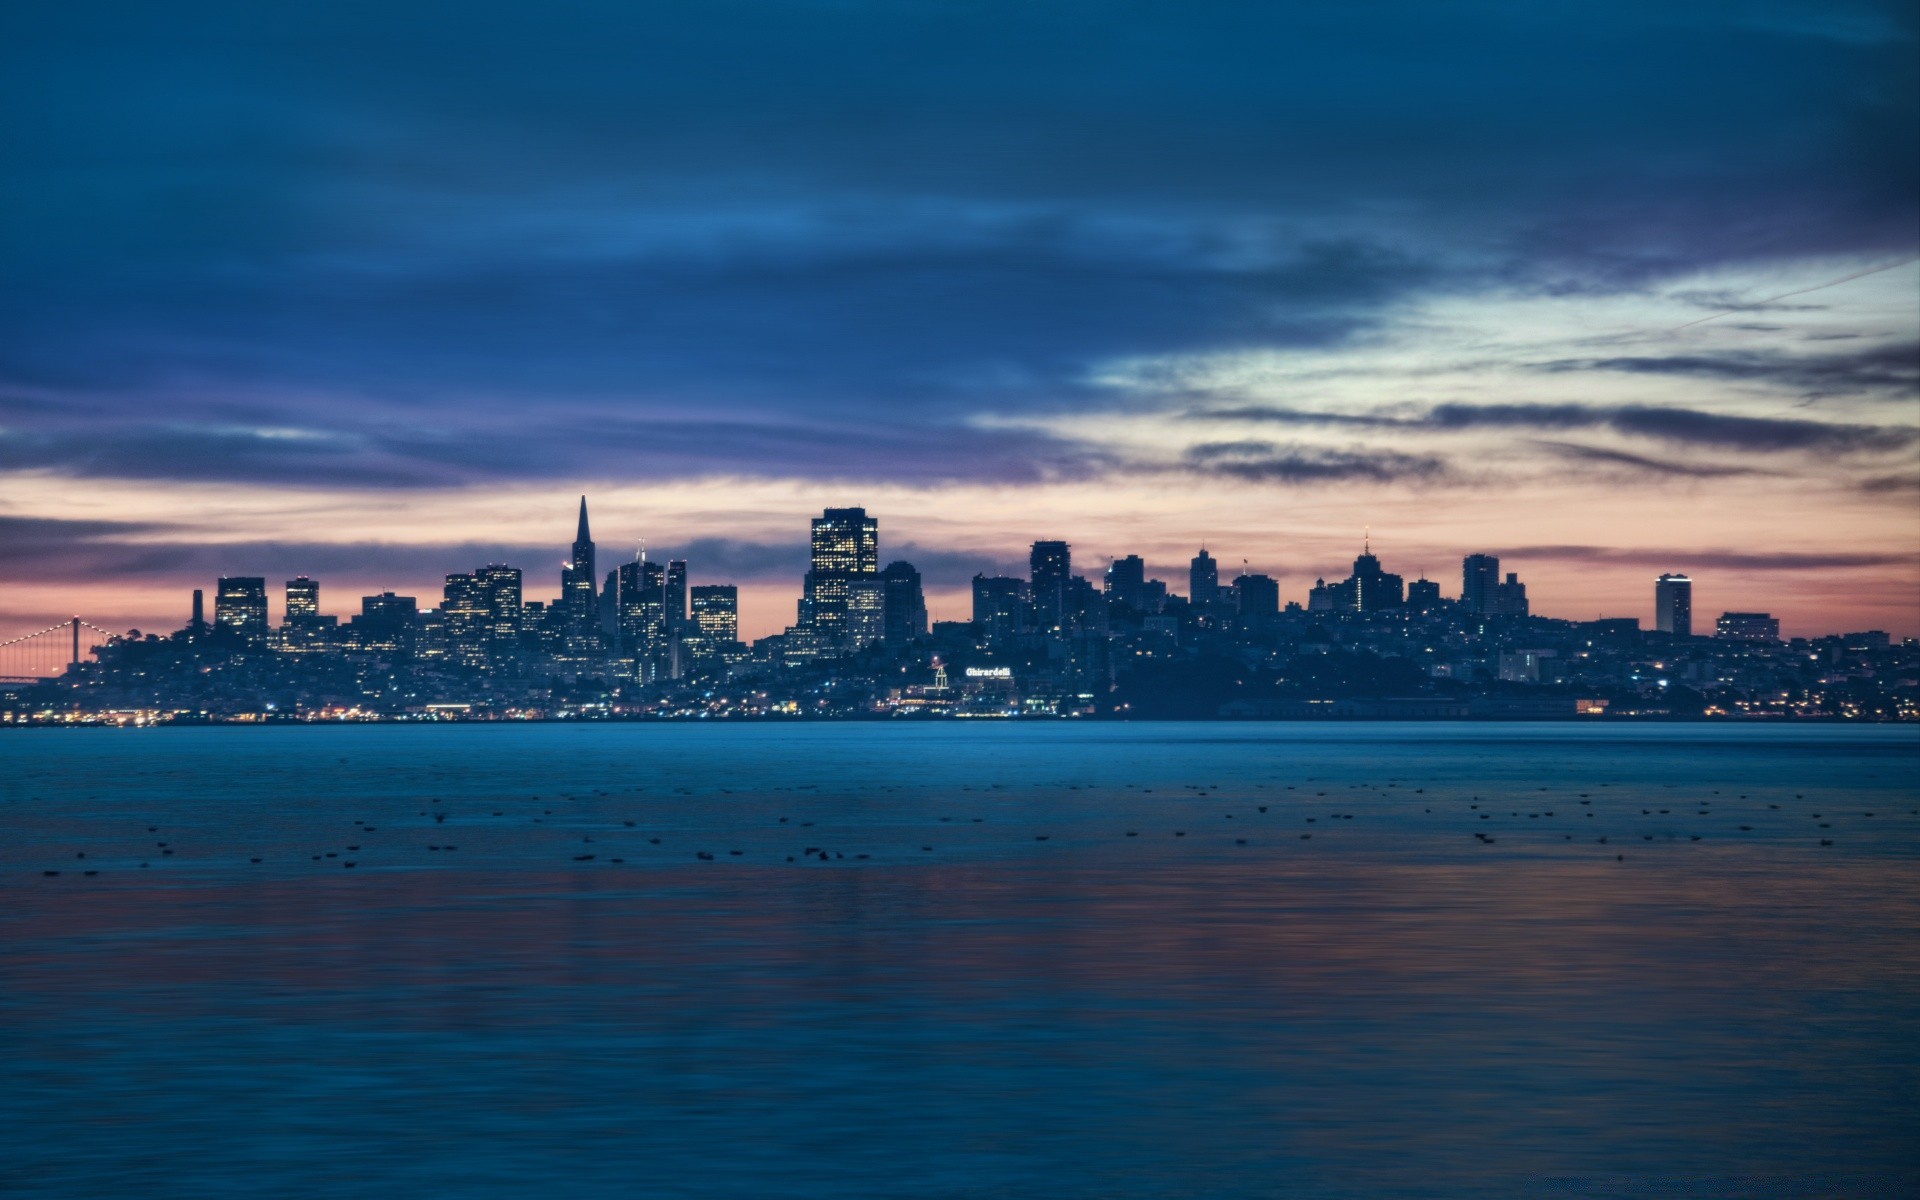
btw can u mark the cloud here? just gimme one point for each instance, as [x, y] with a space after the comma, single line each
[1265, 462]
[1640, 464]
[1891, 369]
[1685, 560]
[1680, 426]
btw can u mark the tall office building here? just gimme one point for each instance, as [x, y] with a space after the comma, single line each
[464, 617]
[906, 604]
[1479, 577]
[1127, 582]
[1423, 594]
[1049, 567]
[303, 600]
[240, 607]
[501, 586]
[866, 611]
[999, 607]
[1673, 605]
[580, 595]
[641, 610]
[1373, 588]
[1510, 597]
[1256, 600]
[675, 595]
[716, 612]
[845, 547]
[1203, 580]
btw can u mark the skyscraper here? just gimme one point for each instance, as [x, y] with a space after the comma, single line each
[303, 600]
[716, 612]
[1049, 567]
[1673, 605]
[906, 604]
[642, 616]
[580, 595]
[1127, 582]
[464, 616]
[1203, 580]
[866, 611]
[675, 595]
[845, 546]
[999, 607]
[240, 607]
[1373, 588]
[501, 587]
[1479, 576]
[1256, 600]
[1510, 598]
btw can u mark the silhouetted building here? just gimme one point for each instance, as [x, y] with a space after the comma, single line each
[999, 607]
[1372, 588]
[1423, 595]
[1510, 597]
[1203, 580]
[906, 605]
[1673, 605]
[1747, 627]
[1479, 583]
[386, 622]
[1049, 567]
[1256, 600]
[240, 607]
[1127, 582]
[676, 595]
[580, 597]
[197, 624]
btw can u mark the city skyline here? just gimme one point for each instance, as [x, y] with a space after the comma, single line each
[1611, 582]
[846, 544]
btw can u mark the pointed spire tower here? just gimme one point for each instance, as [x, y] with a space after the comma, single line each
[581, 581]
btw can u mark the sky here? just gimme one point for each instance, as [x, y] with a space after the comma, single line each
[373, 292]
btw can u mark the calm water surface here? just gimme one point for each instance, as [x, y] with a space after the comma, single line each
[930, 960]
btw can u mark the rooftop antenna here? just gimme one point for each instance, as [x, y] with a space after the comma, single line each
[1366, 539]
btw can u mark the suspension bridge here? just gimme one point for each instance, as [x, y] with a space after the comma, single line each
[47, 653]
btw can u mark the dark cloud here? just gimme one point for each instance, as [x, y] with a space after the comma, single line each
[1265, 462]
[563, 445]
[867, 220]
[1620, 460]
[1681, 426]
[1889, 369]
[1692, 560]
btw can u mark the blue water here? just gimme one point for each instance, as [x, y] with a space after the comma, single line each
[1387, 1006]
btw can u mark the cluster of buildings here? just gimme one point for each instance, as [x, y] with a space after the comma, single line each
[640, 640]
